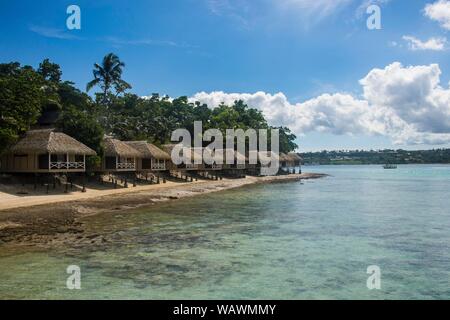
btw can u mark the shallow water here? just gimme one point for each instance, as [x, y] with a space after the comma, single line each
[279, 241]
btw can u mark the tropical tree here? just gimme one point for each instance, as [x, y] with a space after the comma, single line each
[21, 100]
[50, 71]
[287, 140]
[108, 75]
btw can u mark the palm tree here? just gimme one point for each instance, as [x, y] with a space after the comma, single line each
[108, 75]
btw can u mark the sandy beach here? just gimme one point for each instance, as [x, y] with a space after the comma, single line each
[31, 216]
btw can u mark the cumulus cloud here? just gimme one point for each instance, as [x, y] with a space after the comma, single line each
[406, 104]
[435, 44]
[439, 11]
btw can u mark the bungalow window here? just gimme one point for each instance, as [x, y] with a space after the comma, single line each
[110, 162]
[58, 158]
[146, 163]
[43, 161]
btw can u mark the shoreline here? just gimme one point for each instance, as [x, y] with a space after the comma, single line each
[59, 218]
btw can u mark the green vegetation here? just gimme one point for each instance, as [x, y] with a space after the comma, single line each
[21, 100]
[27, 95]
[377, 157]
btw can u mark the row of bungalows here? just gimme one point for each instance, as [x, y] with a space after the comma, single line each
[240, 162]
[49, 151]
[133, 156]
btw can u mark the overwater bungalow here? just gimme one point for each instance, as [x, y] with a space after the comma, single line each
[119, 156]
[46, 151]
[152, 158]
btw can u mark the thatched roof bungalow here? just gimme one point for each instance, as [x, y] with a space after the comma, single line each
[290, 161]
[119, 156]
[46, 150]
[294, 159]
[284, 160]
[152, 158]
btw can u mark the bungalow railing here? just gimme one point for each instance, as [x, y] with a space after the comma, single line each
[66, 165]
[191, 166]
[125, 165]
[216, 167]
[158, 166]
[240, 166]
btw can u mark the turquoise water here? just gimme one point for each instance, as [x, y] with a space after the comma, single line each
[310, 240]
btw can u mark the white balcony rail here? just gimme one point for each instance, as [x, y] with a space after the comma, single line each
[66, 165]
[158, 166]
[240, 166]
[216, 166]
[191, 166]
[125, 165]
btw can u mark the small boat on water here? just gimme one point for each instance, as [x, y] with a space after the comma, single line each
[390, 166]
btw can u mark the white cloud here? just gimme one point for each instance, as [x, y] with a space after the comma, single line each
[406, 104]
[435, 44]
[318, 7]
[53, 33]
[439, 11]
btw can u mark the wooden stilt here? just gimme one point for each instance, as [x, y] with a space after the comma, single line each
[84, 183]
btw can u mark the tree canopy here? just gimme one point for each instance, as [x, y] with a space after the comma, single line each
[26, 93]
[21, 100]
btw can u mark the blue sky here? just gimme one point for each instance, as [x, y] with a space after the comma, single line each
[302, 49]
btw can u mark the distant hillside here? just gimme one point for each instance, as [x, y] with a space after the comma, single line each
[377, 157]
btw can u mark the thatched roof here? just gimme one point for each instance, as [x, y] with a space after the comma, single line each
[240, 156]
[294, 157]
[49, 141]
[148, 150]
[284, 157]
[270, 154]
[114, 147]
[233, 153]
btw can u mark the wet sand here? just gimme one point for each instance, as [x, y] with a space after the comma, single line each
[41, 219]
